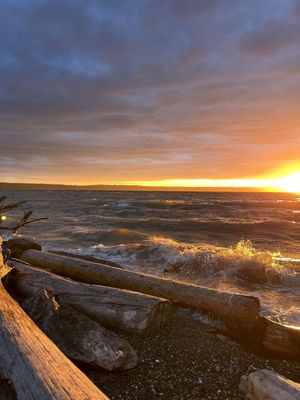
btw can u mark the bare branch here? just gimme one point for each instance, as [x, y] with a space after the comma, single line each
[24, 220]
[7, 207]
[14, 229]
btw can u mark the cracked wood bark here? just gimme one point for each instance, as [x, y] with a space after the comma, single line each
[31, 366]
[111, 307]
[240, 312]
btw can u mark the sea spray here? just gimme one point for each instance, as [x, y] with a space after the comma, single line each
[164, 255]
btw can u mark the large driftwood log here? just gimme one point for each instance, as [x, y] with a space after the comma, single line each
[268, 385]
[111, 307]
[283, 340]
[238, 311]
[88, 258]
[18, 245]
[77, 336]
[31, 366]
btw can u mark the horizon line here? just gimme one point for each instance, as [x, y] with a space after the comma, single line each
[133, 187]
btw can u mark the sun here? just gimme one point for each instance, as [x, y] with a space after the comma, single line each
[289, 183]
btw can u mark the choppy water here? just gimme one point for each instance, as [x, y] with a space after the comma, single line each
[242, 242]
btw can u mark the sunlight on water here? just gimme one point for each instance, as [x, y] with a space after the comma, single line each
[211, 258]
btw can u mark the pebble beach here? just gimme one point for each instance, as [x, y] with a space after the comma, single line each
[186, 361]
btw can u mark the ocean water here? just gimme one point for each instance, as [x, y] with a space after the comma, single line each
[241, 242]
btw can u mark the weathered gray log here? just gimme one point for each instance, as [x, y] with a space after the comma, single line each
[284, 340]
[77, 336]
[111, 307]
[238, 311]
[18, 245]
[268, 385]
[31, 366]
[88, 258]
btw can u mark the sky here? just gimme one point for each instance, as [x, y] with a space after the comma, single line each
[126, 91]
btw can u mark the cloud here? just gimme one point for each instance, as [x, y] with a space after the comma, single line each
[147, 89]
[273, 37]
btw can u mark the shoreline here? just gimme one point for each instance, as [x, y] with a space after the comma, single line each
[187, 359]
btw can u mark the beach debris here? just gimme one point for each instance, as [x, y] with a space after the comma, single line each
[77, 336]
[268, 385]
[114, 308]
[31, 366]
[284, 340]
[239, 312]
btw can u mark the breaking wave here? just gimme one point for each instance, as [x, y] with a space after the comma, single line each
[194, 262]
[240, 268]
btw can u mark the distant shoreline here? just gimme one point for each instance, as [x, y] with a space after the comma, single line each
[126, 188]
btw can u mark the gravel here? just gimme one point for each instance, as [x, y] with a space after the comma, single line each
[185, 361]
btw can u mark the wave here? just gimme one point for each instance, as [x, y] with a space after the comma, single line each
[124, 227]
[241, 261]
[185, 261]
[164, 202]
[150, 203]
[192, 203]
[127, 234]
[200, 225]
[122, 203]
[241, 268]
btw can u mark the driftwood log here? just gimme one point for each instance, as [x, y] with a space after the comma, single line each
[283, 340]
[31, 366]
[77, 336]
[268, 385]
[240, 312]
[111, 307]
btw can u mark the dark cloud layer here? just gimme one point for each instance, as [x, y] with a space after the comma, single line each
[107, 91]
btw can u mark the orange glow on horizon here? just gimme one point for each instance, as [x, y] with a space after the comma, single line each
[282, 183]
[209, 183]
[289, 183]
[284, 180]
